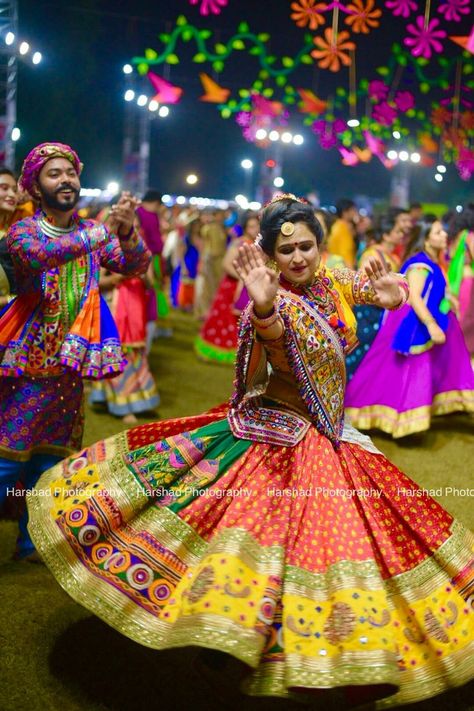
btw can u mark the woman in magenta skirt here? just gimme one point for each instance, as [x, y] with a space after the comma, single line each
[418, 365]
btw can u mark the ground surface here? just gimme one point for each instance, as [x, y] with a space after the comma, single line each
[55, 656]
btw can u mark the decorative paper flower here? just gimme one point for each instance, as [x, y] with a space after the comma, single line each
[465, 163]
[244, 118]
[308, 13]
[453, 9]
[378, 90]
[328, 132]
[440, 116]
[384, 114]
[404, 101]
[403, 8]
[425, 40]
[362, 17]
[467, 120]
[331, 50]
[454, 137]
[207, 7]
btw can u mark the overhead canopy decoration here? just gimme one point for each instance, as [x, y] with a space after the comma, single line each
[361, 119]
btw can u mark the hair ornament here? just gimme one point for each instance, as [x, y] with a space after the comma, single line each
[287, 229]
[284, 196]
[258, 239]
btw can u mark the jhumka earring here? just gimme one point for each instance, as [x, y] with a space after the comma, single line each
[271, 264]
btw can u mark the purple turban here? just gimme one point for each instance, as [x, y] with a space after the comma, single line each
[40, 155]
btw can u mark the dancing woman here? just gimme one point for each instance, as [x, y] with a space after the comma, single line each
[418, 365]
[268, 529]
[217, 341]
[387, 236]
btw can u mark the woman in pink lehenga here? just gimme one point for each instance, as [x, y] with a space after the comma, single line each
[418, 365]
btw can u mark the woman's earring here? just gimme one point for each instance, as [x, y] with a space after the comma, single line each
[271, 264]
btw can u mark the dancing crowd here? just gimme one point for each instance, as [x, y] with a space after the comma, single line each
[336, 322]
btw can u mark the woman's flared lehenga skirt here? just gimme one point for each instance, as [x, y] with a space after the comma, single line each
[399, 394]
[317, 567]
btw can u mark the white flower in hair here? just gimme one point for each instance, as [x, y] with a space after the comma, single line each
[258, 239]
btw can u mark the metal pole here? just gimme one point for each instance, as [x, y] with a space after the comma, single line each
[8, 81]
[144, 151]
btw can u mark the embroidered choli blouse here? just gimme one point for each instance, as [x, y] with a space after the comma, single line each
[306, 378]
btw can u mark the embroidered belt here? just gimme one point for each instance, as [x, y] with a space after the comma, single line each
[266, 424]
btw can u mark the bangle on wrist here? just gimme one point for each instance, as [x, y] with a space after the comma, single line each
[266, 321]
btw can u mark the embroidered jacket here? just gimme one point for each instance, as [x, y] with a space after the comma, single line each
[59, 321]
[307, 380]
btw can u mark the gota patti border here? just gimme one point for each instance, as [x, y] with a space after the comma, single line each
[400, 424]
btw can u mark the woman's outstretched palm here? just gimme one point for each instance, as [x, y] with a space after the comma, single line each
[260, 281]
[384, 282]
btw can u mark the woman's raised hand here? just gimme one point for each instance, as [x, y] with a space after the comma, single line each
[385, 283]
[260, 281]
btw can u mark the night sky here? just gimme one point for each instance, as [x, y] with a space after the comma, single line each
[76, 96]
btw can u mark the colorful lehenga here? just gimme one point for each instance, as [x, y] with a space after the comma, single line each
[217, 341]
[368, 316]
[133, 391]
[405, 379]
[270, 530]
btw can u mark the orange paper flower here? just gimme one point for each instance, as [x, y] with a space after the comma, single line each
[308, 13]
[363, 17]
[331, 52]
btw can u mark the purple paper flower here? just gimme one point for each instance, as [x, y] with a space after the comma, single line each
[465, 163]
[425, 40]
[402, 7]
[244, 118]
[404, 101]
[378, 90]
[207, 7]
[384, 114]
[328, 132]
[453, 9]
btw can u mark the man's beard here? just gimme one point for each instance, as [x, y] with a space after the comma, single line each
[50, 198]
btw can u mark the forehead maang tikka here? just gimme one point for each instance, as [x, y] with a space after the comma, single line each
[287, 229]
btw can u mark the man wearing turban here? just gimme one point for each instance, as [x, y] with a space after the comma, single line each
[58, 330]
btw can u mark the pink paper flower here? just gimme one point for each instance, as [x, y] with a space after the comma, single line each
[378, 90]
[244, 118]
[403, 8]
[328, 132]
[384, 114]
[453, 9]
[424, 40]
[207, 7]
[465, 163]
[404, 101]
